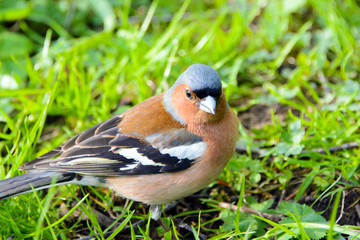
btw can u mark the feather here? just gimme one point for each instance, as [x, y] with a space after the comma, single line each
[36, 180]
[103, 150]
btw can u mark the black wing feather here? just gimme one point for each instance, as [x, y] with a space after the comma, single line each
[97, 151]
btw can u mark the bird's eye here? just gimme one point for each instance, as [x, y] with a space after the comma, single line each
[188, 94]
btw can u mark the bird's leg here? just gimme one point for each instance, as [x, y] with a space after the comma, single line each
[155, 212]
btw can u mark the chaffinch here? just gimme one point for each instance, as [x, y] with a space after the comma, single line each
[163, 149]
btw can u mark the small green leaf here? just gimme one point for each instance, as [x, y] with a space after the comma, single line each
[14, 44]
[259, 206]
[285, 177]
[255, 177]
[303, 214]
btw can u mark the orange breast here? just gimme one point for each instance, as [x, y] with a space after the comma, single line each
[163, 188]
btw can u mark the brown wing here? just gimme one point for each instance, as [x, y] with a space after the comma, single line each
[103, 150]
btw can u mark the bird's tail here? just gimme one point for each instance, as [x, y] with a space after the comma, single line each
[33, 180]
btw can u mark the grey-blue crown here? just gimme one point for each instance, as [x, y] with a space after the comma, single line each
[203, 80]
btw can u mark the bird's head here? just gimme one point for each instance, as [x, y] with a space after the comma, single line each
[196, 96]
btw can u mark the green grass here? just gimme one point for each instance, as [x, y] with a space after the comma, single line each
[67, 65]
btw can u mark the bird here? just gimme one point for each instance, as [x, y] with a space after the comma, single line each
[163, 149]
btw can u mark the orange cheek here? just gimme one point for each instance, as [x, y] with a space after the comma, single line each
[190, 113]
[186, 108]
